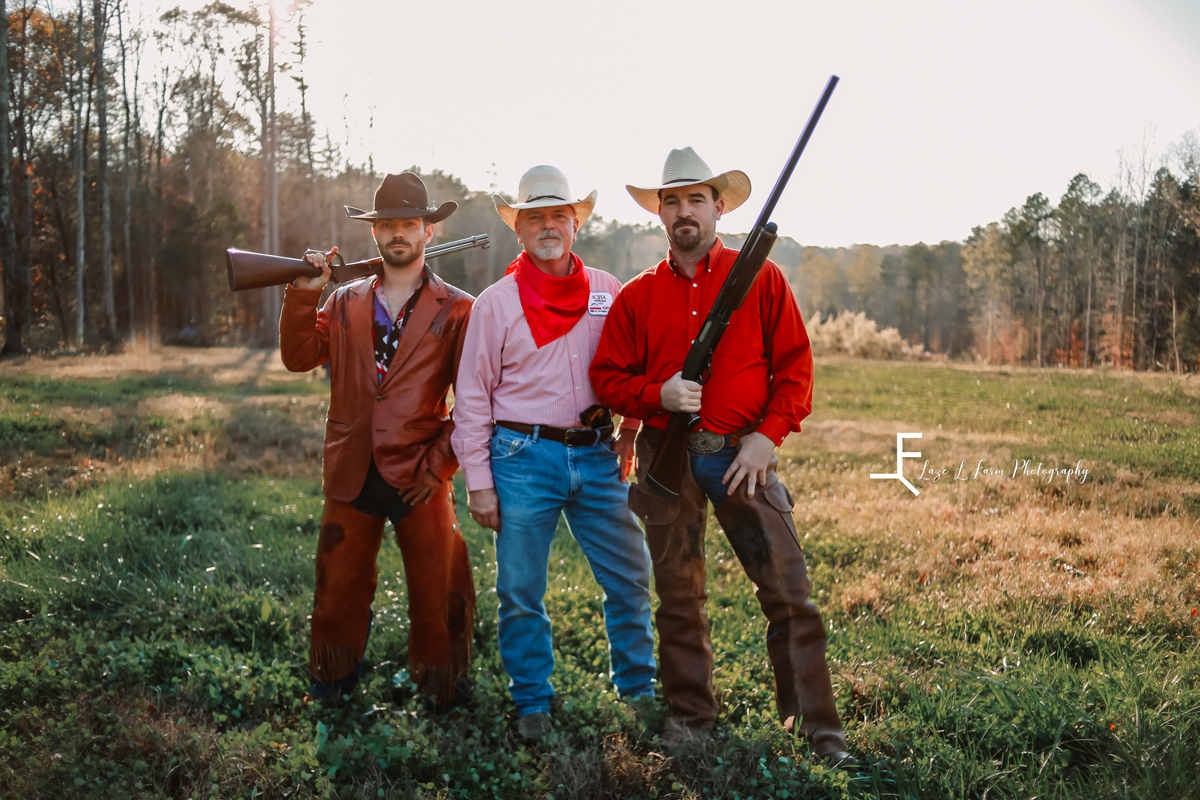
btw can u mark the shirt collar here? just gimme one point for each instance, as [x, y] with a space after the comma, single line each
[711, 257]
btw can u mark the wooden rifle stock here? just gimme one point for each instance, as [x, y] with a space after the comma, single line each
[655, 497]
[247, 270]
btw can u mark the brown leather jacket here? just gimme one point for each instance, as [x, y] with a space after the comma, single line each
[404, 421]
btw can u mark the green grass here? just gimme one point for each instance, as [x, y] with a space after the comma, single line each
[153, 643]
[157, 636]
[1101, 417]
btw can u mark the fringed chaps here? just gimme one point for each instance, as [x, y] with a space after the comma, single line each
[441, 592]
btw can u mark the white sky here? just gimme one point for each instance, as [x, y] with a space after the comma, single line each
[948, 113]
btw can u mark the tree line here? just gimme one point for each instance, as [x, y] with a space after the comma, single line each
[128, 174]
[1103, 277]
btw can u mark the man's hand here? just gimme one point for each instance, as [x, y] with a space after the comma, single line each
[484, 505]
[680, 395]
[623, 446]
[318, 260]
[755, 453]
[427, 482]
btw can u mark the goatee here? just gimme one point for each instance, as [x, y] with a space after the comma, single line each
[404, 257]
[548, 246]
[550, 250]
[685, 238]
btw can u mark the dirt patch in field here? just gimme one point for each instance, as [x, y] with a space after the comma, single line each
[871, 437]
[183, 407]
[225, 365]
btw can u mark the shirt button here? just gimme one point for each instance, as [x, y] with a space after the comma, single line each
[574, 355]
[378, 397]
[576, 388]
[693, 313]
[693, 286]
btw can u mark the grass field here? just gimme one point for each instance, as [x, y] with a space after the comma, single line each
[996, 637]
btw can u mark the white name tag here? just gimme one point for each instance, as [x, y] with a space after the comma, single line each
[599, 304]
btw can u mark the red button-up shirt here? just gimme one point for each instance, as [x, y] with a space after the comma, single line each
[761, 370]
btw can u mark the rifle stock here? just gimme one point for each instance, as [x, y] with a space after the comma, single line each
[655, 497]
[247, 270]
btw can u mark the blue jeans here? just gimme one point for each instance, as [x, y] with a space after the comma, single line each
[536, 481]
[709, 468]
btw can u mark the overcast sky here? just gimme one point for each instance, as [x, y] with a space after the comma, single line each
[948, 113]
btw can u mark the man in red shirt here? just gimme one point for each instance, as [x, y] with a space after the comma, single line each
[759, 390]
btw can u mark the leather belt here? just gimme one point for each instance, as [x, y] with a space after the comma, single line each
[709, 442]
[571, 437]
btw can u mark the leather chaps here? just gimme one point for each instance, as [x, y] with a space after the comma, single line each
[762, 534]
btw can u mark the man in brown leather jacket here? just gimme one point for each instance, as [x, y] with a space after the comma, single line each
[393, 344]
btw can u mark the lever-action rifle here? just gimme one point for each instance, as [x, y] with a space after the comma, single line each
[656, 497]
[248, 270]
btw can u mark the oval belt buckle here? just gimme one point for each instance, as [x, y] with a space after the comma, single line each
[705, 441]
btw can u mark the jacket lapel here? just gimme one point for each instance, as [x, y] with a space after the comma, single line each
[429, 304]
[361, 306]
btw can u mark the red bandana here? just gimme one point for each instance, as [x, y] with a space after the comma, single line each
[552, 305]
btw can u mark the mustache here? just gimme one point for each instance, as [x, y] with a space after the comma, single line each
[549, 234]
[685, 223]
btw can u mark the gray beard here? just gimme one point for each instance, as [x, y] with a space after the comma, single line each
[548, 249]
[403, 259]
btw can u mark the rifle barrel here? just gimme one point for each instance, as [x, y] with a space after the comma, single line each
[480, 240]
[784, 176]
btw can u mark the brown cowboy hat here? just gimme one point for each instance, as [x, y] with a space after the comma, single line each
[401, 197]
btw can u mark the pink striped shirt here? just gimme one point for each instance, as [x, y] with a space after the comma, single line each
[504, 375]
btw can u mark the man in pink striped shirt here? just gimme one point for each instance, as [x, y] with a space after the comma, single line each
[535, 444]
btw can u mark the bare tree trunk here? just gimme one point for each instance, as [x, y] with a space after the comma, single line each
[1175, 333]
[1087, 323]
[80, 179]
[99, 28]
[1119, 282]
[306, 120]
[14, 297]
[1040, 295]
[23, 136]
[125, 157]
[154, 330]
[274, 301]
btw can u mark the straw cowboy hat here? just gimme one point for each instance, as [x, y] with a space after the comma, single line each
[403, 196]
[543, 187]
[685, 168]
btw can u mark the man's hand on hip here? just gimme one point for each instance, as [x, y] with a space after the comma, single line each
[680, 395]
[755, 454]
[427, 482]
[484, 505]
[317, 259]
[623, 446]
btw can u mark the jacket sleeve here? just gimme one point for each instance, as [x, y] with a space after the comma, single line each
[440, 459]
[479, 374]
[789, 399]
[304, 331]
[618, 370]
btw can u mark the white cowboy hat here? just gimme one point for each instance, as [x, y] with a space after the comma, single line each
[685, 168]
[543, 187]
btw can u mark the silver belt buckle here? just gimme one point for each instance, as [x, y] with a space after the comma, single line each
[705, 441]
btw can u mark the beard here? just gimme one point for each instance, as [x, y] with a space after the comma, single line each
[404, 258]
[686, 237]
[548, 246]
